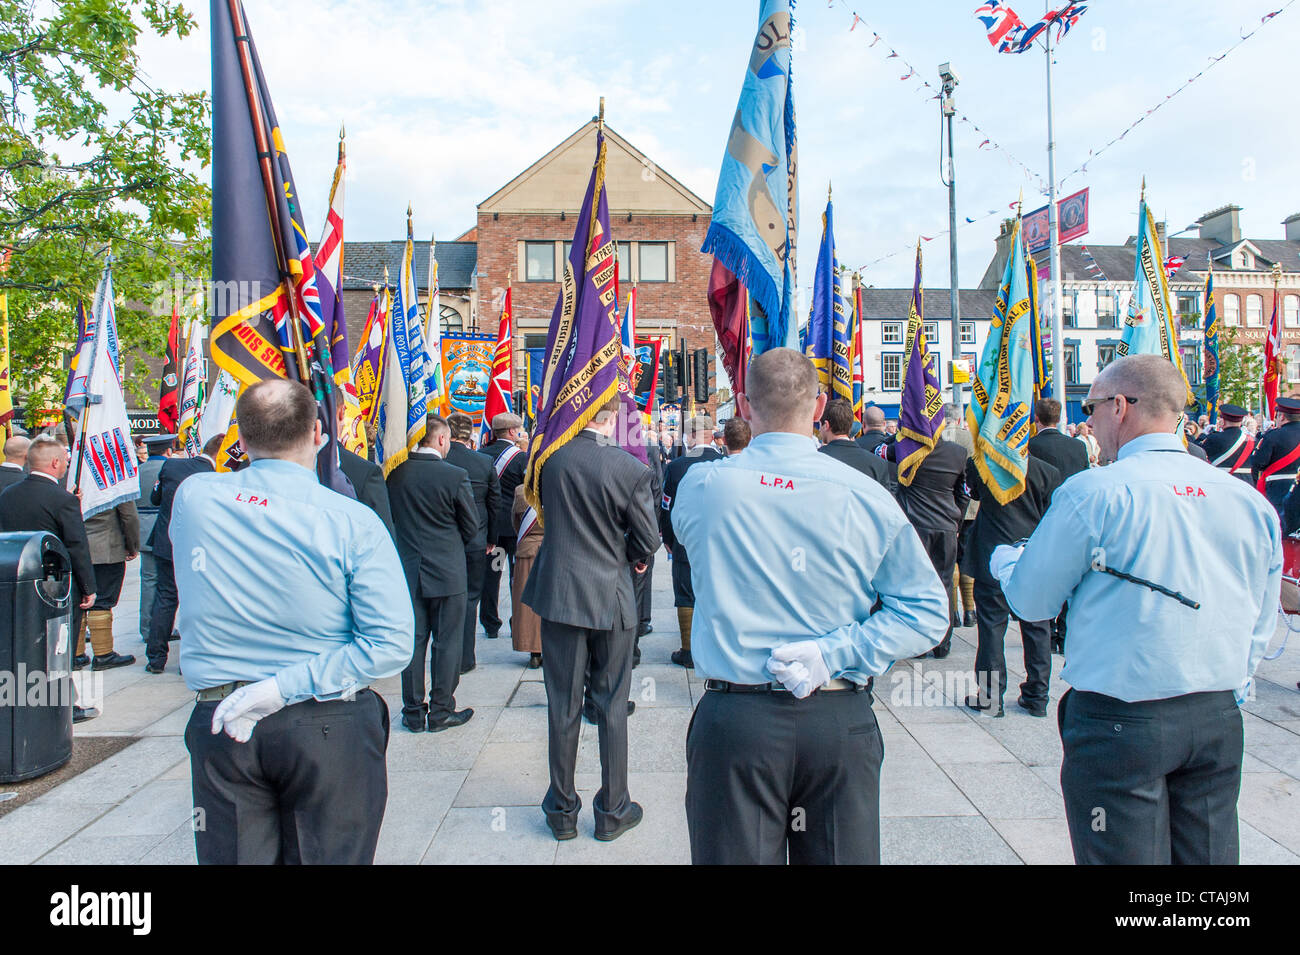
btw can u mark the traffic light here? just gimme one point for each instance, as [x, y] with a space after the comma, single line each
[671, 394]
[704, 375]
[683, 369]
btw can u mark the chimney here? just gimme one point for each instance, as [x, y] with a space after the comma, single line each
[1001, 252]
[1162, 230]
[1222, 225]
[1292, 226]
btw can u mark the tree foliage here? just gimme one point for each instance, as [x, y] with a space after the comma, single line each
[1241, 370]
[93, 156]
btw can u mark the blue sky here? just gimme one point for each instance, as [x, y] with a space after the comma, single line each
[446, 101]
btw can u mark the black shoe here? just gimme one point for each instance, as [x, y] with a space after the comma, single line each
[82, 713]
[416, 725]
[492, 635]
[943, 649]
[1039, 711]
[80, 661]
[683, 659]
[633, 819]
[974, 703]
[562, 833]
[968, 618]
[154, 668]
[534, 661]
[110, 660]
[646, 628]
[459, 718]
[1058, 646]
[464, 670]
[636, 659]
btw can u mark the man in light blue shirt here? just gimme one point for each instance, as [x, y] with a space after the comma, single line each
[1151, 731]
[292, 602]
[791, 552]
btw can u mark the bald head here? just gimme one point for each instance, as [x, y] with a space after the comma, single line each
[781, 391]
[1152, 379]
[277, 419]
[15, 450]
[873, 419]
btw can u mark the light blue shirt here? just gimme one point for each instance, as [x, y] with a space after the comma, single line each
[281, 577]
[1160, 514]
[787, 544]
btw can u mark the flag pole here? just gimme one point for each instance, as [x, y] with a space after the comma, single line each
[242, 40]
[1058, 328]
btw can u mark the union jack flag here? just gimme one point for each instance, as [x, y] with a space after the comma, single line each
[1009, 34]
[999, 20]
[1173, 264]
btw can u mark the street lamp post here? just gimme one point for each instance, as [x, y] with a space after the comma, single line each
[948, 176]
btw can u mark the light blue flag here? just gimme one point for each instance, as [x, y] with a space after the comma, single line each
[1003, 389]
[1149, 326]
[755, 209]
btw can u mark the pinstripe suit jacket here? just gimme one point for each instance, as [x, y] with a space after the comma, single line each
[596, 503]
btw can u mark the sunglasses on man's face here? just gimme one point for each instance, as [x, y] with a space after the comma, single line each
[1088, 405]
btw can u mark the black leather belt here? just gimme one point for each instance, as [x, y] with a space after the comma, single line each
[835, 686]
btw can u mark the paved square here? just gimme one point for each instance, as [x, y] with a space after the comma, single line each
[955, 788]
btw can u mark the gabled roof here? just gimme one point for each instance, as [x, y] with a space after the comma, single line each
[891, 304]
[1116, 261]
[363, 263]
[572, 159]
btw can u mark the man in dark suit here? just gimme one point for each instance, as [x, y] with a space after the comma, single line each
[596, 510]
[509, 461]
[39, 502]
[935, 502]
[642, 583]
[435, 517]
[367, 477]
[162, 621]
[836, 423]
[487, 499]
[159, 448]
[873, 436]
[697, 432]
[998, 524]
[15, 451]
[1069, 456]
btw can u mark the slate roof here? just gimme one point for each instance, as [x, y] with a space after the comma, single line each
[363, 263]
[1116, 261]
[891, 304]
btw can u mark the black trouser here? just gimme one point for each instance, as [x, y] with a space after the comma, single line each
[309, 788]
[941, 545]
[476, 563]
[683, 592]
[1152, 783]
[490, 596]
[991, 615]
[641, 587]
[770, 777]
[163, 619]
[601, 659]
[108, 585]
[439, 638]
[1058, 625]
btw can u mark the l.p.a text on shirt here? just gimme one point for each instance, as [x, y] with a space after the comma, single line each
[77, 908]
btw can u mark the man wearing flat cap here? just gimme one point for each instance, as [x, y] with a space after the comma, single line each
[1231, 446]
[509, 461]
[1276, 460]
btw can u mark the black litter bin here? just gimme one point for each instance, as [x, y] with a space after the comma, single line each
[36, 693]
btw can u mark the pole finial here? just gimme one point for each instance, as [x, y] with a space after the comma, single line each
[1142, 196]
[600, 117]
[509, 277]
[828, 190]
[343, 151]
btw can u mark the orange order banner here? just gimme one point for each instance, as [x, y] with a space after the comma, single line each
[467, 370]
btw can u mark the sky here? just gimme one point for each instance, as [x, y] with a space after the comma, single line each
[445, 101]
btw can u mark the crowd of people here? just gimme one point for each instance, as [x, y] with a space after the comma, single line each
[803, 566]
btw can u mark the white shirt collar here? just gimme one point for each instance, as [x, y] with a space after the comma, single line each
[49, 477]
[430, 452]
[11, 466]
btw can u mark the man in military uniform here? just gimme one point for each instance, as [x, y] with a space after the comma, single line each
[510, 463]
[697, 433]
[1276, 460]
[1231, 446]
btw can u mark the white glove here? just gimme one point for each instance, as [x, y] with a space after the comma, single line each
[799, 667]
[1003, 562]
[238, 713]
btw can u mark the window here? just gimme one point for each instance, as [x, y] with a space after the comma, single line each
[1293, 362]
[449, 320]
[624, 253]
[891, 333]
[539, 261]
[1291, 311]
[891, 372]
[1071, 355]
[1255, 311]
[1231, 309]
[1189, 309]
[1105, 355]
[931, 334]
[653, 262]
[1106, 310]
[536, 340]
[1067, 311]
[1191, 355]
[968, 333]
